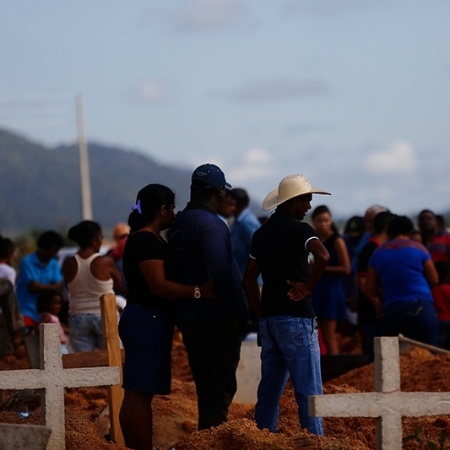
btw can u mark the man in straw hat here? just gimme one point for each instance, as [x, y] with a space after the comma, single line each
[287, 326]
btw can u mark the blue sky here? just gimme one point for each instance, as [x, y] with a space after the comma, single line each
[354, 94]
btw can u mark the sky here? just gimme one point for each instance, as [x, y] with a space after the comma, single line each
[353, 94]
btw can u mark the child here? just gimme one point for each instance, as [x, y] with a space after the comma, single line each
[7, 249]
[441, 296]
[11, 319]
[49, 305]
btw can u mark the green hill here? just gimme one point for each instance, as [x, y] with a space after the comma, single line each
[40, 187]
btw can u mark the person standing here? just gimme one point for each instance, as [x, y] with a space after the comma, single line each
[353, 233]
[441, 297]
[11, 319]
[369, 215]
[434, 236]
[406, 273]
[329, 300]
[7, 249]
[120, 235]
[244, 225]
[39, 271]
[88, 275]
[287, 325]
[146, 326]
[212, 329]
[49, 304]
[370, 307]
[227, 208]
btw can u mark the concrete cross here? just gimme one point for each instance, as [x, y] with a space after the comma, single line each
[388, 404]
[13, 436]
[53, 379]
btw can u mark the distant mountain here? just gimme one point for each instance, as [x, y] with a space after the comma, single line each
[40, 187]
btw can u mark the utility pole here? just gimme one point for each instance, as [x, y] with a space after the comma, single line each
[85, 183]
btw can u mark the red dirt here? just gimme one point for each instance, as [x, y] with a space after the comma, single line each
[175, 415]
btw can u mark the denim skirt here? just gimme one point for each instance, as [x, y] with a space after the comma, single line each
[147, 336]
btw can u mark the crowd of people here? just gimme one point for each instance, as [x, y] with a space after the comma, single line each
[215, 273]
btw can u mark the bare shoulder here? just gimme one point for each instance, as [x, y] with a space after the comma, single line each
[69, 267]
[339, 241]
[103, 261]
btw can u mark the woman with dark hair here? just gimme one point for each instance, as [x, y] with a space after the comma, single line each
[146, 326]
[402, 273]
[88, 275]
[328, 297]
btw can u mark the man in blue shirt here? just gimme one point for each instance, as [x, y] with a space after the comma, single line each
[244, 225]
[38, 271]
[212, 328]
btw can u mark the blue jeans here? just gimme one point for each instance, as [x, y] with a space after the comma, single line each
[415, 319]
[290, 348]
[85, 332]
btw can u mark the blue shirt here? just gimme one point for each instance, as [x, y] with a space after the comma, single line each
[241, 235]
[399, 265]
[201, 251]
[32, 269]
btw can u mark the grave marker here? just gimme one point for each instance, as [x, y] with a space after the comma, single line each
[111, 357]
[388, 404]
[14, 436]
[52, 379]
[112, 345]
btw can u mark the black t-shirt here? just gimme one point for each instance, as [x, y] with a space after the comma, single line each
[142, 246]
[279, 248]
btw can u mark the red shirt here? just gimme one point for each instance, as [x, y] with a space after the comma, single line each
[439, 247]
[441, 296]
[117, 252]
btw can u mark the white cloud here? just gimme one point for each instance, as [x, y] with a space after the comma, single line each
[399, 158]
[257, 156]
[250, 171]
[205, 15]
[152, 91]
[255, 165]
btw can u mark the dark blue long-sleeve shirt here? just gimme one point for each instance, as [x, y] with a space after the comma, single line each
[201, 251]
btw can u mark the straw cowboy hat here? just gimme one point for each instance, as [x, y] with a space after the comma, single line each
[290, 187]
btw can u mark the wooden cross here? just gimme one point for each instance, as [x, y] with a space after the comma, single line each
[52, 378]
[388, 404]
[112, 345]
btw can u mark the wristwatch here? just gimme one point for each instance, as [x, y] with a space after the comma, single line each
[197, 293]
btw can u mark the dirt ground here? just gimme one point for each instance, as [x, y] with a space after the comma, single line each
[175, 415]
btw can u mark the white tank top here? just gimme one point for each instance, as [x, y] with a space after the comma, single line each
[85, 290]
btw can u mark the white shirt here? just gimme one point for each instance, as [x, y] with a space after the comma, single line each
[8, 272]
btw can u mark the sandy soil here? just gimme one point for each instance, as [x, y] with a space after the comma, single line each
[175, 415]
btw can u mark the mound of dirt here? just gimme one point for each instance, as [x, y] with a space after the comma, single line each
[175, 416]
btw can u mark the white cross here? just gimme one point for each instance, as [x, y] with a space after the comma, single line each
[388, 404]
[14, 436]
[52, 378]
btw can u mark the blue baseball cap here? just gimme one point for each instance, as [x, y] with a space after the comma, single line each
[210, 175]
